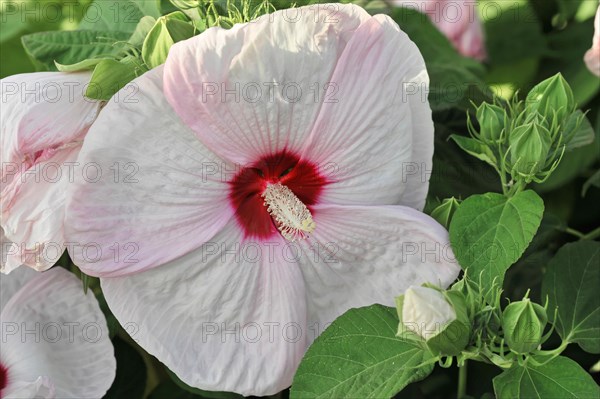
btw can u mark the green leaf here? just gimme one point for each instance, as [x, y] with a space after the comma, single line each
[118, 15]
[84, 65]
[454, 79]
[475, 148]
[109, 77]
[490, 232]
[141, 31]
[512, 31]
[559, 378]
[130, 381]
[358, 356]
[70, 47]
[571, 284]
[594, 180]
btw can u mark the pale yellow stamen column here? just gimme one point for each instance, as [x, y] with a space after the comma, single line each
[292, 217]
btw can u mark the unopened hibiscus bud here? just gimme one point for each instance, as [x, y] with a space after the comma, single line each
[529, 147]
[444, 212]
[491, 121]
[167, 30]
[439, 318]
[523, 323]
[552, 97]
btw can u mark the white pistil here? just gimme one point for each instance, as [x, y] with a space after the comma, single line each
[292, 217]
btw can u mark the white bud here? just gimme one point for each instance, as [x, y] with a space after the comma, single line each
[426, 311]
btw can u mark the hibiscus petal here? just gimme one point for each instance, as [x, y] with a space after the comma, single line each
[376, 136]
[41, 111]
[187, 314]
[11, 284]
[257, 88]
[56, 332]
[160, 192]
[33, 216]
[360, 255]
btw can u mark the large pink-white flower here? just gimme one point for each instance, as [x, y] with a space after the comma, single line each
[592, 56]
[457, 19]
[275, 175]
[55, 341]
[42, 124]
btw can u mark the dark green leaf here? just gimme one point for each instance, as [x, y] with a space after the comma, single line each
[512, 30]
[454, 79]
[571, 283]
[475, 148]
[130, 381]
[70, 47]
[118, 15]
[560, 378]
[359, 356]
[490, 232]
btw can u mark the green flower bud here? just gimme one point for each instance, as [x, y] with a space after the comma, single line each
[552, 96]
[444, 212]
[491, 121]
[523, 323]
[529, 147]
[439, 318]
[168, 30]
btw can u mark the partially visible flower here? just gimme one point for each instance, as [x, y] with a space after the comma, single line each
[42, 124]
[438, 317]
[55, 341]
[281, 169]
[592, 56]
[457, 19]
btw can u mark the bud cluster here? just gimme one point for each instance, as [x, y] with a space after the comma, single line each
[468, 322]
[525, 140]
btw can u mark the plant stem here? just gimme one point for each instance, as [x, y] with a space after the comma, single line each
[462, 381]
[589, 236]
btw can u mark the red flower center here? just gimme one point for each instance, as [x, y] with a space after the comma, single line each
[3, 378]
[246, 188]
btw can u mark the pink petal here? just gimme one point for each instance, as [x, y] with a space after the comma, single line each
[44, 118]
[361, 255]
[33, 217]
[11, 284]
[592, 56]
[187, 312]
[41, 111]
[280, 65]
[377, 137]
[161, 194]
[458, 20]
[68, 343]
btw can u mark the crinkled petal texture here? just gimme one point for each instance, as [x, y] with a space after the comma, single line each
[151, 192]
[334, 86]
[43, 121]
[225, 310]
[229, 316]
[57, 342]
[11, 284]
[360, 255]
[237, 315]
[592, 56]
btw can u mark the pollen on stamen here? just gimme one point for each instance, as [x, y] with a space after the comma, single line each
[291, 216]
